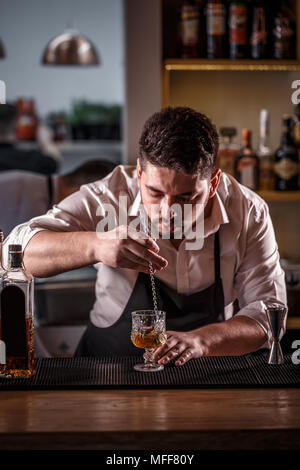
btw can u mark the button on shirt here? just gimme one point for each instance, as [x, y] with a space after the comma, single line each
[249, 258]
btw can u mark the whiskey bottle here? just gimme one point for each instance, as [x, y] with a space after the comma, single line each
[258, 39]
[286, 159]
[283, 38]
[238, 29]
[216, 29]
[189, 29]
[266, 157]
[16, 317]
[247, 163]
[2, 272]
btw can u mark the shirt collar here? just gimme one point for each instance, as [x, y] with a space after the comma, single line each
[217, 216]
[134, 209]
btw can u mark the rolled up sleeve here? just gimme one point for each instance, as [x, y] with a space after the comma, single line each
[259, 276]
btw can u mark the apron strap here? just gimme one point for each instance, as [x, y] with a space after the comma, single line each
[217, 256]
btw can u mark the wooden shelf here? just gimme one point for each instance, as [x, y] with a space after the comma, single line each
[226, 65]
[277, 196]
[231, 65]
[171, 64]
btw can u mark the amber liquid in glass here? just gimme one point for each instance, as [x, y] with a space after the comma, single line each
[148, 341]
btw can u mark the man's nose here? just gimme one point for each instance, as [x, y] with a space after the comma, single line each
[165, 207]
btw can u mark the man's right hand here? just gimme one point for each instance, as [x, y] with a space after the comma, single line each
[49, 253]
[124, 247]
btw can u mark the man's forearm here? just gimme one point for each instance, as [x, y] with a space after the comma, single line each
[237, 336]
[49, 253]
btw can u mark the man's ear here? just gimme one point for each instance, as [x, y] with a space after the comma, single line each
[214, 182]
[138, 169]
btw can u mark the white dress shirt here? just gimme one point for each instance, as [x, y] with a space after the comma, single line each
[249, 258]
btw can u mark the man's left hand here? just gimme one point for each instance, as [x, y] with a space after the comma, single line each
[181, 346]
[234, 337]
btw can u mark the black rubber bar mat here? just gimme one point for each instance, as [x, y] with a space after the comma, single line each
[246, 371]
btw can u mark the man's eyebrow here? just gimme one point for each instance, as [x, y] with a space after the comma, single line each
[189, 193]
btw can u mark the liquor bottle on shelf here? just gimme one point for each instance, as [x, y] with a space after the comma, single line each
[16, 317]
[216, 29]
[227, 150]
[189, 30]
[286, 166]
[259, 35]
[247, 163]
[283, 37]
[266, 158]
[2, 272]
[238, 29]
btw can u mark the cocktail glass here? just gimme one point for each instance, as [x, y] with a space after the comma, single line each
[148, 332]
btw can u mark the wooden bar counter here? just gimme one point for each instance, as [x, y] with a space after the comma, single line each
[202, 419]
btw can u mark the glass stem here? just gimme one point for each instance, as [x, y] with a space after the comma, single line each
[149, 356]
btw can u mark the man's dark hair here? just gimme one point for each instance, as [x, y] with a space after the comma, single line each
[182, 139]
[88, 172]
[8, 118]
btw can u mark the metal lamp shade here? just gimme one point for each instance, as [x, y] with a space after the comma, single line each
[70, 48]
[2, 51]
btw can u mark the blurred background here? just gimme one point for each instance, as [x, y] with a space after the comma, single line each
[82, 104]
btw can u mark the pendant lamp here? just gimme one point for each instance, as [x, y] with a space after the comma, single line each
[70, 48]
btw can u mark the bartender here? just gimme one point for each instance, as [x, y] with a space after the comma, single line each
[197, 288]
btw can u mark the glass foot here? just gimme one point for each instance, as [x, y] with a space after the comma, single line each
[149, 367]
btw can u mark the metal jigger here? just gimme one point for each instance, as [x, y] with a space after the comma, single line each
[276, 316]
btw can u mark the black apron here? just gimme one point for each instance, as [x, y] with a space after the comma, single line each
[183, 313]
